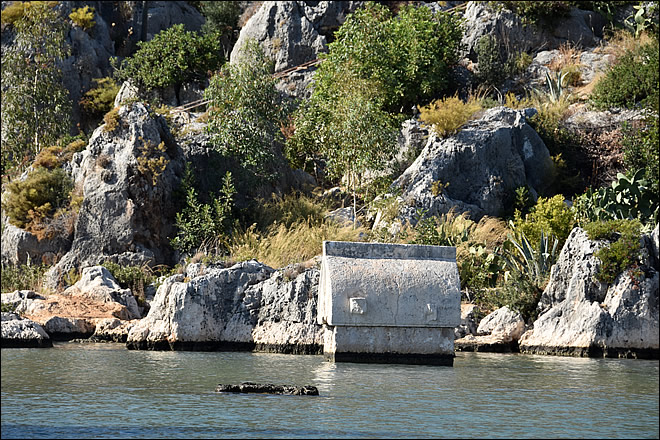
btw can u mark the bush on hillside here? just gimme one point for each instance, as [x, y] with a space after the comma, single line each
[632, 80]
[408, 56]
[38, 196]
[171, 58]
[246, 112]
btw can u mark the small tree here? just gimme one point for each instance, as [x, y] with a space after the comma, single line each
[409, 55]
[348, 128]
[35, 105]
[172, 57]
[246, 111]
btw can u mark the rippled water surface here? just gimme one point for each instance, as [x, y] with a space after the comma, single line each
[105, 391]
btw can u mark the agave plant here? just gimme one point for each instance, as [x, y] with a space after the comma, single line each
[555, 86]
[533, 263]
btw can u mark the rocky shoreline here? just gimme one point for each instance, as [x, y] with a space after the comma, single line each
[252, 307]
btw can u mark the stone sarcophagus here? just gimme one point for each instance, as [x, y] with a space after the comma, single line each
[390, 303]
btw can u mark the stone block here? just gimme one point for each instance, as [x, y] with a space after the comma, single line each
[392, 285]
[389, 303]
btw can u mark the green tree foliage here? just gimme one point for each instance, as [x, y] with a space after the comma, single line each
[38, 196]
[35, 105]
[172, 57]
[408, 56]
[624, 249]
[201, 224]
[632, 80]
[221, 17]
[246, 111]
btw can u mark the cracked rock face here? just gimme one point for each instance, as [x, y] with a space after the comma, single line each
[582, 316]
[126, 213]
[246, 306]
[479, 167]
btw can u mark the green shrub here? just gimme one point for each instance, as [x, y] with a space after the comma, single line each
[446, 116]
[83, 17]
[172, 57]
[539, 12]
[641, 150]
[632, 80]
[408, 56]
[38, 196]
[344, 126]
[22, 277]
[135, 278]
[100, 99]
[246, 111]
[200, 224]
[624, 251]
[547, 216]
[221, 17]
[528, 269]
[491, 67]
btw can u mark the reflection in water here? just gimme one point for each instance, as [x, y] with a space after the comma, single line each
[104, 390]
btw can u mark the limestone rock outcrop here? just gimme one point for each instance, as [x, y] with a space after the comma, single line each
[20, 246]
[98, 284]
[20, 332]
[498, 332]
[127, 209]
[583, 28]
[292, 33]
[479, 167]
[584, 317]
[247, 306]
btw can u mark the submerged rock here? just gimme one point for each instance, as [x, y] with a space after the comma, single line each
[268, 388]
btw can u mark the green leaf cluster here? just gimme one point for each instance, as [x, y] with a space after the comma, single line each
[36, 109]
[632, 80]
[171, 58]
[622, 253]
[201, 224]
[246, 112]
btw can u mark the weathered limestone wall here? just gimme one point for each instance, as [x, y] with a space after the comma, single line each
[389, 302]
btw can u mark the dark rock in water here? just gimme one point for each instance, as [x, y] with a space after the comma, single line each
[267, 388]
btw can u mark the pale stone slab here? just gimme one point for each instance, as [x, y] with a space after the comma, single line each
[391, 285]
